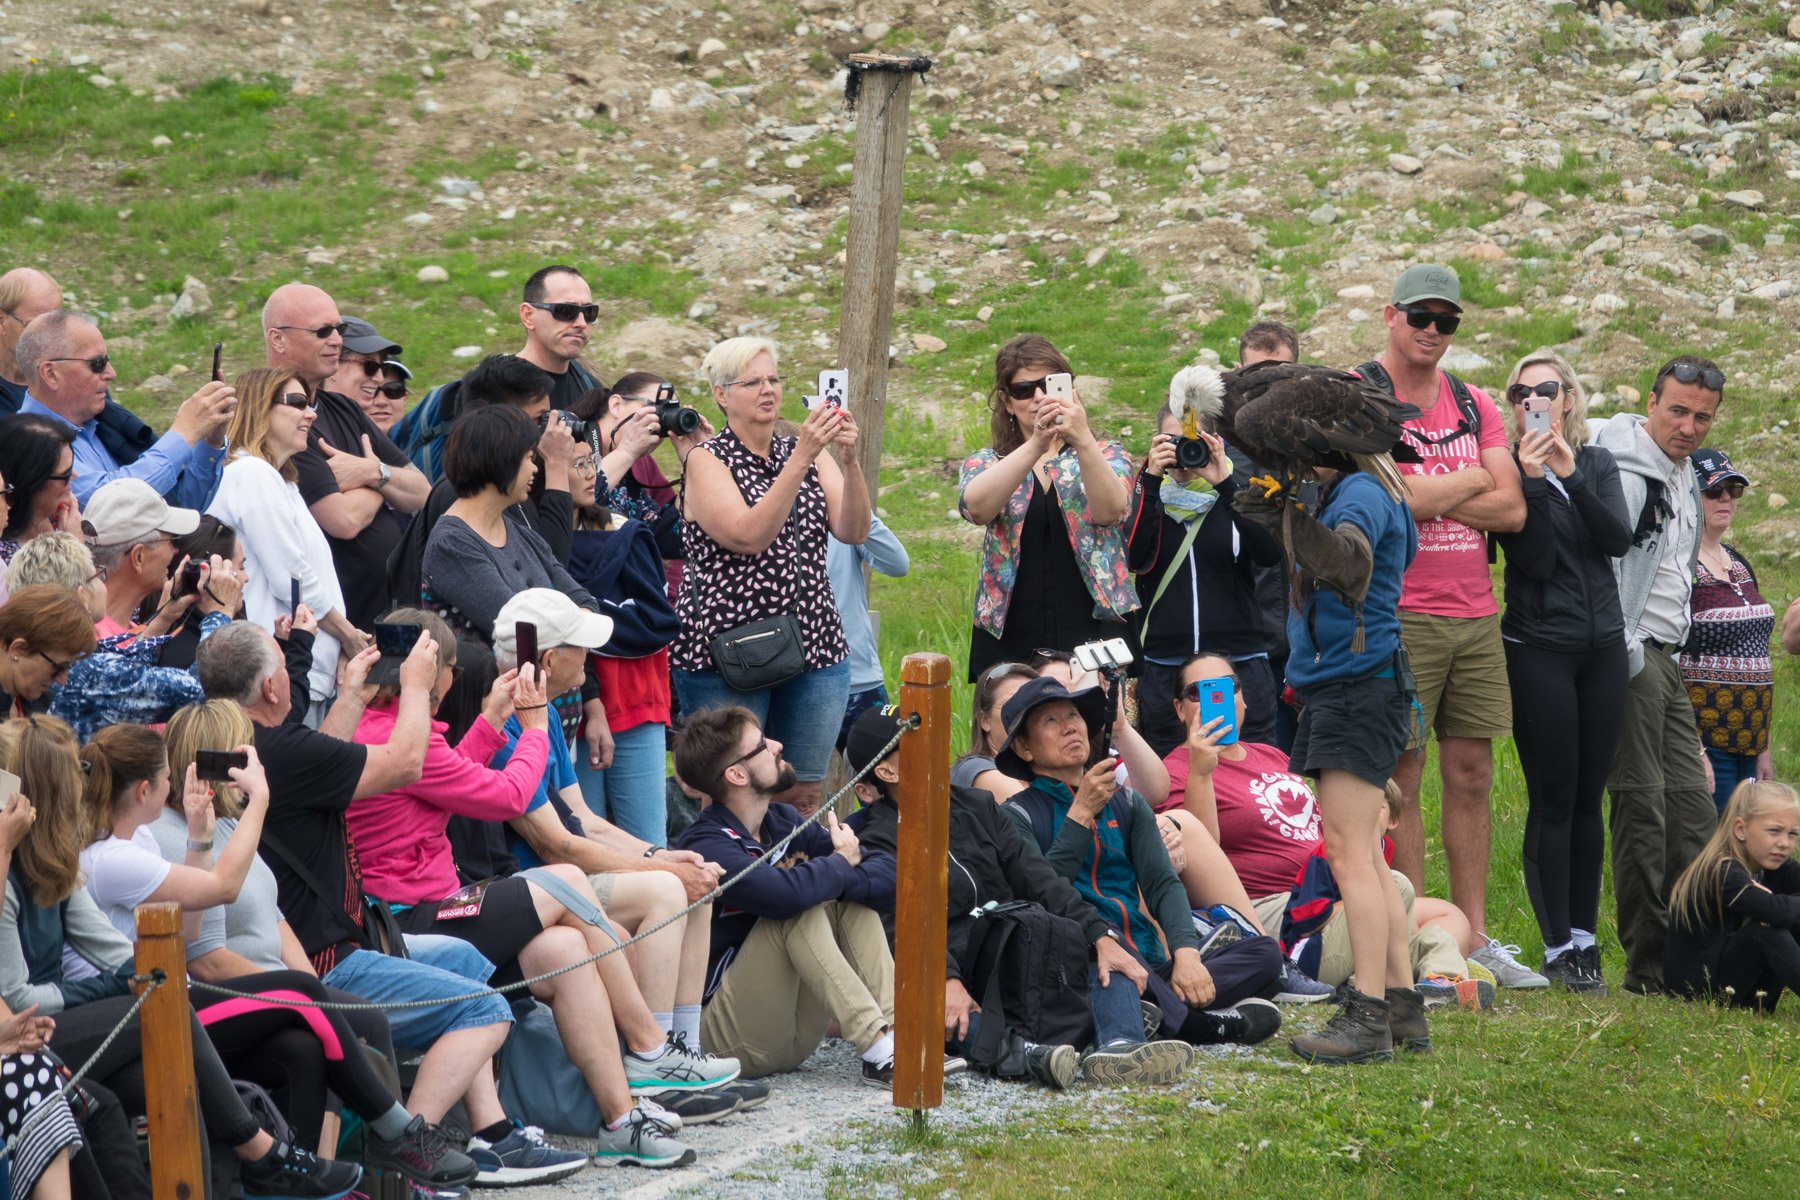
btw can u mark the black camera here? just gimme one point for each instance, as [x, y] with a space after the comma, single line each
[673, 417]
[580, 430]
[1192, 453]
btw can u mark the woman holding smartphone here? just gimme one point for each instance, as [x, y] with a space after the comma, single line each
[1052, 496]
[1565, 654]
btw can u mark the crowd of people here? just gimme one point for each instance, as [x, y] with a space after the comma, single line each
[386, 698]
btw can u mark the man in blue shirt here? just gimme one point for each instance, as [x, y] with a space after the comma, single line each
[62, 357]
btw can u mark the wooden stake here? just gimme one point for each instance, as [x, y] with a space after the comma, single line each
[919, 908]
[177, 1159]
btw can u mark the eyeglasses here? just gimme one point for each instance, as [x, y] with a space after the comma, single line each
[370, 368]
[1720, 491]
[393, 391]
[756, 385]
[298, 400]
[588, 467]
[1025, 389]
[1550, 388]
[63, 477]
[1419, 318]
[59, 668]
[322, 332]
[1191, 692]
[96, 364]
[568, 312]
[762, 743]
[1710, 378]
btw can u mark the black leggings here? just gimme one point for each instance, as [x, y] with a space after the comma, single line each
[1755, 964]
[295, 1053]
[108, 1166]
[1568, 710]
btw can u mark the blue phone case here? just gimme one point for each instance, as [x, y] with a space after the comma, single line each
[1218, 698]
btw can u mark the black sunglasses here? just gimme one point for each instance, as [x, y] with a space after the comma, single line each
[370, 368]
[300, 400]
[568, 312]
[95, 364]
[1550, 389]
[1710, 378]
[1026, 389]
[393, 391]
[322, 332]
[1419, 318]
[1720, 491]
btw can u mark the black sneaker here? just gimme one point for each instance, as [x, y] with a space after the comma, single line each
[879, 1074]
[697, 1108]
[421, 1153]
[1590, 964]
[1568, 972]
[290, 1173]
[1153, 1018]
[1245, 1023]
[750, 1092]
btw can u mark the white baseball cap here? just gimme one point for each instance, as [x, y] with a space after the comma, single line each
[129, 510]
[559, 622]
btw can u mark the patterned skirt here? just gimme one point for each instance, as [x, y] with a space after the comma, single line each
[28, 1082]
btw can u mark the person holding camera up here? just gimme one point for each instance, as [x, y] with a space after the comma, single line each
[1052, 496]
[1196, 565]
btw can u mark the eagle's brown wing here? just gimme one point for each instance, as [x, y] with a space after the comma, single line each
[1293, 417]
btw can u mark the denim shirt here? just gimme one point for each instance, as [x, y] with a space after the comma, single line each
[121, 683]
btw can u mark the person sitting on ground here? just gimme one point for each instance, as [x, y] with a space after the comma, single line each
[1140, 766]
[799, 946]
[987, 733]
[1203, 999]
[1735, 913]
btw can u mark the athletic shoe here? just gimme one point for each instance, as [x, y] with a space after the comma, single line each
[641, 1140]
[290, 1173]
[1475, 970]
[881, 1074]
[1590, 965]
[1053, 1066]
[1568, 972]
[1153, 1017]
[1297, 987]
[1508, 971]
[678, 1067]
[421, 1153]
[522, 1156]
[1440, 991]
[1245, 1023]
[1138, 1062]
[697, 1108]
[662, 1114]
[954, 1065]
[750, 1092]
[1222, 934]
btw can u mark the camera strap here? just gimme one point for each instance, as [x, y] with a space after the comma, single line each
[1187, 544]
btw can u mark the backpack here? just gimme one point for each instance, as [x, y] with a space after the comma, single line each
[1470, 424]
[1037, 807]
[1030, 977]
[420, 433]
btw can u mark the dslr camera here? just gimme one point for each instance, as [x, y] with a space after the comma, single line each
[672, 417]
[580, 430]
[1192, 453]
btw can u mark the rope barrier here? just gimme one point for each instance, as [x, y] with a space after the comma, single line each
[772, 854]
[45, 1109]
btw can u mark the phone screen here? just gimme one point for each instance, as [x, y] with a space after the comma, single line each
[218, 367]
[525, 638]
[293, 595]
[396, 640]
[215, 765]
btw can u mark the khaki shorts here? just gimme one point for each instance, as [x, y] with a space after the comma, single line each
[1459, 664]
[1432, 950]
[603, 886]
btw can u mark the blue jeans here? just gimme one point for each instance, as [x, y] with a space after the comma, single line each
[632, 792]
[1118, 1015]
[802, 714]
[440, 966]
[1729, 770]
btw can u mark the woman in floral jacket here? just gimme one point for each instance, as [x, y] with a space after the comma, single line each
[1052, 496]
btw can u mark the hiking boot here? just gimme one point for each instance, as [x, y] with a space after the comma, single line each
[421, 1153]
[1590, 966]
[1471, 991]
[697, 1108]
[1569, 972]
[1508, 971]
[291, 1173]
[1153, 1018]
[1138, 1062]
[1053, 1066]
[1358, 1033]
[522, 1156]
[641, 1140]
[1245, 1023]
[1297, 987]
[679, 1066]
[1407, 1026]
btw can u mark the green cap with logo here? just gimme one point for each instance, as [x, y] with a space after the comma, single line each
[1428, 281]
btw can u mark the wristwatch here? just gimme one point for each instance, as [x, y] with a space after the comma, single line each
[387, 474]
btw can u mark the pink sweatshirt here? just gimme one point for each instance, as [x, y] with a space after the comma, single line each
[399, 835]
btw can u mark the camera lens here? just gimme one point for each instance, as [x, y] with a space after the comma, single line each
[1191, 454]
[677, 419]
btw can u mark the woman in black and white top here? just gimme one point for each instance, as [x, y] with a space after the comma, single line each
[758, 508]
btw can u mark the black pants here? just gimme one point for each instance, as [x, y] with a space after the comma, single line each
[1568, 710]
[1163, 729]
[506, 924]
[1755, 964]
[1239, 971]
[107, 1167]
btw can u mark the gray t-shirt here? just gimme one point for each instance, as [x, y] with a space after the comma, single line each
[964, 770]
[248, 927]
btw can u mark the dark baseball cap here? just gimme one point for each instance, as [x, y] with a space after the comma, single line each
[360, 336]
[869, 735]
[1714, 467]
[1090, 702]
[1421, 281]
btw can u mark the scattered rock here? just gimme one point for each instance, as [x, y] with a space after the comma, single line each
[194, 301]
[975, 168]
[1103, 215]
[1058, 65]
[1486, 252]
[657, 343]
[699, 310]
[928, 343]
[1465, 362]
[1727, 308]
[1794, 29]
[1748, 198]
[1178, 302]
[1325, 214]
[1628, 395]
[433, 274]
[102, 82]
[711, 50]
[1356, 291]
[465, 352]
[1606, 243]
[161, 141]
[1777, 500]
[1609, 302]
[1781, 289]
[1708, 238]
[1405, 164]
[157, 384]
[318, 256]
[985, 313]
[1531, 210]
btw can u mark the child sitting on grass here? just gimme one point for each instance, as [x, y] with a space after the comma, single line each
[1735, 912]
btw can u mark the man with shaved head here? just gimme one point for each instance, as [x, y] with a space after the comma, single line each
[26, 293]
[354, 479]
[62, 356]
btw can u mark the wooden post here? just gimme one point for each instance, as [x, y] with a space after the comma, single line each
[880, 86]
[924, 862]
[177, 1159]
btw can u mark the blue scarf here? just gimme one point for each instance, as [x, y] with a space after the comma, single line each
[1188, 501]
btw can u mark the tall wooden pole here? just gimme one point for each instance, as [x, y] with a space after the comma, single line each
[883, 95]
[919, 905]
[177, 1160]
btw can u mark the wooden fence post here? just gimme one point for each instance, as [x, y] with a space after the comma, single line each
[924, 861]
[177, 1159]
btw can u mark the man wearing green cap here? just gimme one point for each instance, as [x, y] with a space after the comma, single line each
[1466, 487]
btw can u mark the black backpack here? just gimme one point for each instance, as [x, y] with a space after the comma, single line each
[1377, 374]
[1030, 976]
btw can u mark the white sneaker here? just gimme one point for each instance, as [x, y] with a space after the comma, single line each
[679, 1067]
[641, 1140]
[1508, 971]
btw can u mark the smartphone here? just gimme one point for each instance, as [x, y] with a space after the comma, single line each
[9, 783]
[834, 387]
[1059, 385]
[1218, 698]
[525, 639]
[395, 642]
[1537, 414]
[1099, 656]
[218, 366]
[216, 765]
[190, 579]
[293, 595]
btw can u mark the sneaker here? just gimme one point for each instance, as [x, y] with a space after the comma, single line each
[1138, 1062]
[290, 1173]
[881, 1074]
[1297, 987]
[1508, 971]
[1590, 965]
[662, 1114]
[1440, 991]
[1224, 933]
[1569, 972]
[522, 1156]
[697, 1108]
[641, 1140]
[750, 1092]
[1245, 1023]
[1475, 970]
[1053, 1066]
[679, 1066]
[421, 1153]
[1153, 1018]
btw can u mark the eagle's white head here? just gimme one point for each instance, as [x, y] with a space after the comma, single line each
[1196, 390]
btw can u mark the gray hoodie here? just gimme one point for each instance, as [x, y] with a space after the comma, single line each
[1641, 460]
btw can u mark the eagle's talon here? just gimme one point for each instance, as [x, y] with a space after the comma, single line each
[1268, 483]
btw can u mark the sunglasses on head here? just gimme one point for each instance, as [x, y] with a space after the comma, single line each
[568, 312]
[322, 332]
[393, 391]
[96, 364]
[1721, 490]
[298, 400]
[1419, 318]
[1550, 389]
[1710, 378]
[1025, 389]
